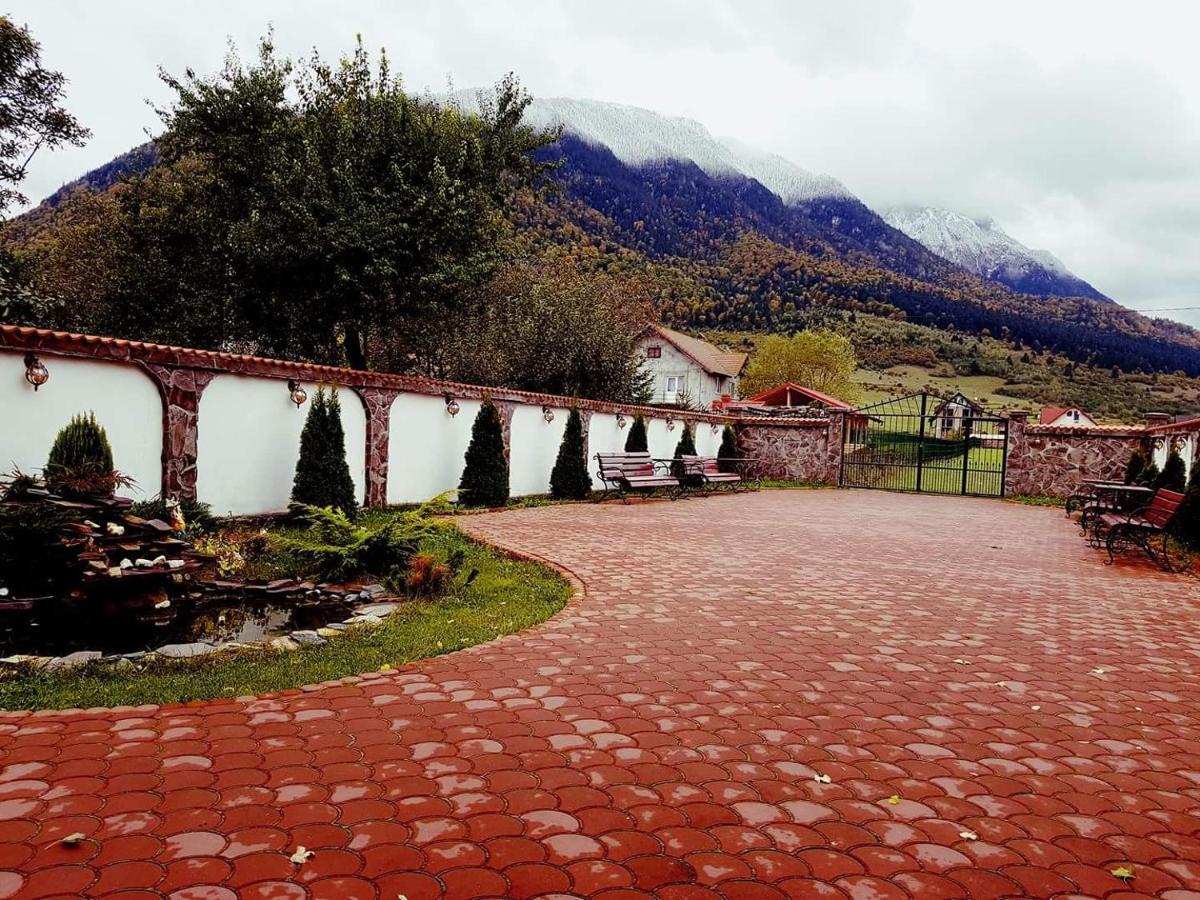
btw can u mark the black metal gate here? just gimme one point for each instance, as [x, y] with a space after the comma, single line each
[935, 445]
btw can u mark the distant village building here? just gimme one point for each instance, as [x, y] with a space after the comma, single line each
[688, 368]
[952, 417]
[1065, 415]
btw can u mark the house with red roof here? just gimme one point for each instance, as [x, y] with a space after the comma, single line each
[1065, 415]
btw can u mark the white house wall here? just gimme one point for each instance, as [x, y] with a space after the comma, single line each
[124, 398]
[701, 387]
[534, 449]
[426, 446]
[249, 441]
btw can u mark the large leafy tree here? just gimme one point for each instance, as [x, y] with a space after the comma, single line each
[822, 360]
[340, 208]
[32, 116]
[554, 329]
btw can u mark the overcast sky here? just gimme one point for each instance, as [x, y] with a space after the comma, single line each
[1076, 125]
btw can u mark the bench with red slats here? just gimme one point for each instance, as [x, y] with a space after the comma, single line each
[707, 470]
[1141, 526]
[627, 472]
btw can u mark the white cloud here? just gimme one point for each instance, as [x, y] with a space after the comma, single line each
[1074, 124]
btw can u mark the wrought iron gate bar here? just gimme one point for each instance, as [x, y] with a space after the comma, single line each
[928, 444]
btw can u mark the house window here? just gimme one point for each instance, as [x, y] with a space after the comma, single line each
[653, 352]
[674, 385]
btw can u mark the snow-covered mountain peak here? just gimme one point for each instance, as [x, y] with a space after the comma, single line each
[981, 246]
[639, 137]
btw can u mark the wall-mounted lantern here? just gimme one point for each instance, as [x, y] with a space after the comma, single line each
[547, 414]
[621, 420]
[715, 428]
[452, 406]
[670, 423]
[299, 395]
[36, 372]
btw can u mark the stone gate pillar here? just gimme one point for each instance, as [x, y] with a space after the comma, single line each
[377, 402]
[180, 387]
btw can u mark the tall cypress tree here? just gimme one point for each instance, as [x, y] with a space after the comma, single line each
[685, 447]
[1187, 517]
[728, 454]
[1134, 468]
[1173, 476]
[637, 442]
[322, 473]
[485, 476]
[569, 479]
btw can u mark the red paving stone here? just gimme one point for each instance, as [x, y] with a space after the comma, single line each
[784, 694]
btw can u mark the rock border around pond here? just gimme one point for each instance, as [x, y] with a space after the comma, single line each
[370, 615]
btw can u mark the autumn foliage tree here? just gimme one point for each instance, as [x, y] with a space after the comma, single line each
[822, 360]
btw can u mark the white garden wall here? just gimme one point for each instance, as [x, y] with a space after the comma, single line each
[249, 441]
[124, 398]
[426, 446]
[534, 449]
[604, 436]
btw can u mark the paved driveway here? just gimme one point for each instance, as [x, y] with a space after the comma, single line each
[806, 694]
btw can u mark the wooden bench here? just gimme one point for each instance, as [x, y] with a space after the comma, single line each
[706, 472]
[1148, 528]
[628, 473]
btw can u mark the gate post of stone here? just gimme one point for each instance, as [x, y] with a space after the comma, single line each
[377, 403]
[835, 446]
[180, 388]
[1016, 454]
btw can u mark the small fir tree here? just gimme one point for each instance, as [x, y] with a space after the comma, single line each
[1135, 467]
[485, 476]
[1174, 473]
[637, 442]
[80, 455]
[685, 447]
[82, 442]
[1187, 517]
[569, 480]
[727, 456]
[322, 473]
[1150, 475]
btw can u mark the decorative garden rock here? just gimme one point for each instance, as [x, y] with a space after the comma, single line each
[307, 637]
[73, 660]
[185, 651]
[382, 610]
[283, 644]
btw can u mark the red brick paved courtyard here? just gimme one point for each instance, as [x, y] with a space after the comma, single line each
[784, 694]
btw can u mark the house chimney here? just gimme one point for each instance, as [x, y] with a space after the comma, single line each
[1153, 419]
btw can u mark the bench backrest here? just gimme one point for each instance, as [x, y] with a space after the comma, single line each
[625, 465]
[706, 464]
[1162, 508]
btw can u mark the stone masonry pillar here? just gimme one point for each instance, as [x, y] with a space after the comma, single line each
[377, 402]
[180, 387]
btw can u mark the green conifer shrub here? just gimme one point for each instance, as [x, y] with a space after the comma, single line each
[685, 447]
[1134, 468]
[1173, 476]
[81, 459]
[322, 473]
[569, 480]
[1150, 475]
[1187, 517]
[727, 456]
[637, 441]
[485, 476]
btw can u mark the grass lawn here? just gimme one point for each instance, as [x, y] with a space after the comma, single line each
[506, 596]
[899, 381]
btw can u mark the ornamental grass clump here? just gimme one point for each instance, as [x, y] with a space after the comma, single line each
[569, 480]
[322, 473]
[485, 475]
